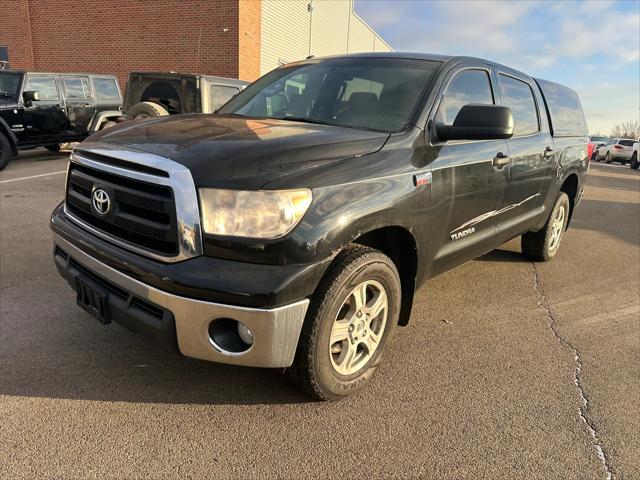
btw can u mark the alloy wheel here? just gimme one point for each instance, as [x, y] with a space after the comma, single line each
[557, 228]
[357, 330]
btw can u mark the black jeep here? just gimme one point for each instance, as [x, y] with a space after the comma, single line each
[155, 94]
[49, 109]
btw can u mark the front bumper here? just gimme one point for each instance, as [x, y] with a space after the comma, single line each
[182, 323]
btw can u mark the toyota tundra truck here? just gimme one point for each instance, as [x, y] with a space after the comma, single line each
[292, 229]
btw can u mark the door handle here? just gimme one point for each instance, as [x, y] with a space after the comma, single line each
[500, 160]
[548, 152]
[86, 105]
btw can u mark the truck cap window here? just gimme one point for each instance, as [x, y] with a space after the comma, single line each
[220, 94]
[565, 110]
[45, 86]
[467, 86]
[106, 89]
[77, 87]
[370, 93]
[517, 95]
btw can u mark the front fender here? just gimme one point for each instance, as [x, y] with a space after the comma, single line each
[101, 117]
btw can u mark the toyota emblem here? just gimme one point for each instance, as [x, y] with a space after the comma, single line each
[100, 201]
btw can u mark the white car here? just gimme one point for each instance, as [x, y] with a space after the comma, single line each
[634, 163]
[616, 149]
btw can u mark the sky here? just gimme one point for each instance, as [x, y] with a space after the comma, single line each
[590, 46]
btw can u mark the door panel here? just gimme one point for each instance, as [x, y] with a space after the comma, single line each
[80, 105]
[467, 191]
[467, 188]
[532, 165]
[46, 116]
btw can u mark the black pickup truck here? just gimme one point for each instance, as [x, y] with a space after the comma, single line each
[292, 229]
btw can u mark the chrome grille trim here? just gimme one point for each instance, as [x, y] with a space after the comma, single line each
[179, 180]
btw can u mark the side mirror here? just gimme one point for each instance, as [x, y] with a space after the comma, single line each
[478, 122]
[30, 96]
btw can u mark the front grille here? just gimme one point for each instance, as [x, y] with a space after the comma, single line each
[141, 213]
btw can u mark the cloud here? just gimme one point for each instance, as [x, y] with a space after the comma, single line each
[577, 43]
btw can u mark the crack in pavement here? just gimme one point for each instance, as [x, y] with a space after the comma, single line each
[583, 411]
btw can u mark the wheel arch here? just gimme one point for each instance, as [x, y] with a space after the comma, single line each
[101, 117]
[571, 185]
[399, 244]
[6, 131]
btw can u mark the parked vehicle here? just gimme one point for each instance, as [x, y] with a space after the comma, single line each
[616, 150]
[156, 94]
[595, 142]
[292, 229]
[634, 163]
[48, 109]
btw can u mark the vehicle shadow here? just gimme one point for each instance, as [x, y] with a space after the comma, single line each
[123, 367]
[503, 255]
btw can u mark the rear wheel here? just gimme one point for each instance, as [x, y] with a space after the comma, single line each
[53, 148]
[5, 151]
[634, 161]
[350, 320]
[543, 245]
[146, 110]
[607, 158]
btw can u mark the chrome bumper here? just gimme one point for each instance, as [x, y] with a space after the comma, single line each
[275, 331]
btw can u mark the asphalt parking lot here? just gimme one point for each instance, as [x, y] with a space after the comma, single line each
[507, 370]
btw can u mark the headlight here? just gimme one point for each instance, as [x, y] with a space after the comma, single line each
[256, 214]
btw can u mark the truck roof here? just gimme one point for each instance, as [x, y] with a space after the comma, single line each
[193, 75]
[109, 75]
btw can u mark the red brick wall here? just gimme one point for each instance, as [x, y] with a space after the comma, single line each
[15, 32]
[119, 36]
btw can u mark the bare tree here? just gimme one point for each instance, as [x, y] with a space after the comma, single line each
[630, 129]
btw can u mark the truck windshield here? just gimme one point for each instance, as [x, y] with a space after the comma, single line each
[9, 84]
[378, 94]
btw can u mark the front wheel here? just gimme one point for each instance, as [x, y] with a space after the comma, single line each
[634, 161]
[350, 320]
[5, 151]
[543, 245]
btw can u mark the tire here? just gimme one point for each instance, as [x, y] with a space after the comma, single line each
[543, 245]
[633, 164]
[607, 158]
[320, 368]
[53, 148]
[5, 151]
[146, 110]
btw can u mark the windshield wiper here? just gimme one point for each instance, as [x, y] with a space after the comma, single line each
[303, 119]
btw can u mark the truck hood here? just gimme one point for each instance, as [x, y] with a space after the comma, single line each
[240, 152]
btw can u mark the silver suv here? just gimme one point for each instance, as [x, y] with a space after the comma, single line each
[616, 149]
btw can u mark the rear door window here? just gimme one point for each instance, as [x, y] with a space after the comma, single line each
[518, 96]
[221, 94]
[467, 86]
[77, 87]
[106, 89]
[565, 110]
[44, 85]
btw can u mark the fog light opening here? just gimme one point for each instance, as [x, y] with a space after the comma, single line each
[230, 336]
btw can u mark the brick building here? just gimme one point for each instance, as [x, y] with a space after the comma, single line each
[231, 38]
